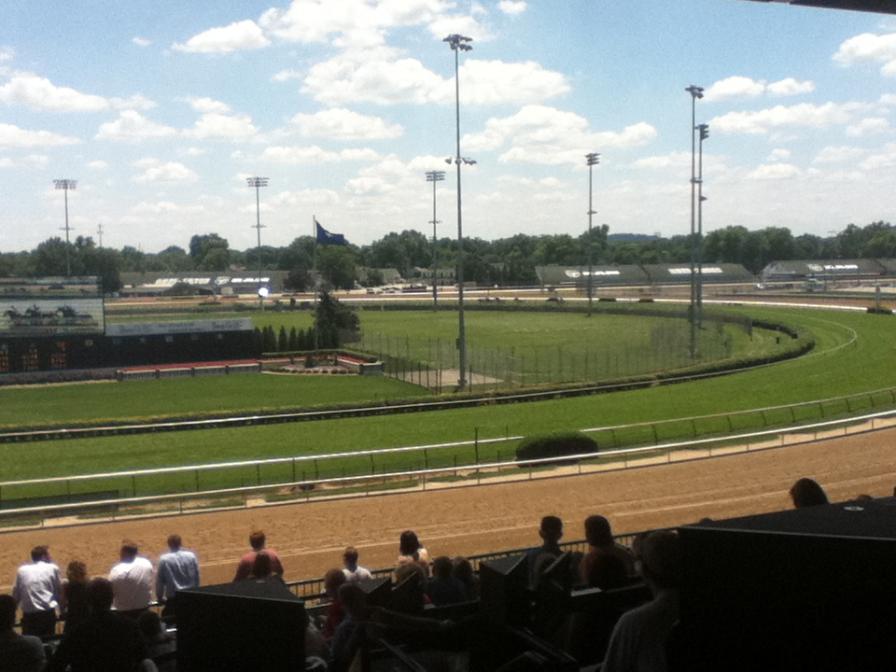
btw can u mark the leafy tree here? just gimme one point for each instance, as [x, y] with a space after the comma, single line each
[282, 340]
[333, 321]
[336, 264]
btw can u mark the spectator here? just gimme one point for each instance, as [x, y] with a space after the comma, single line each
[606, 571]
[131, 581]
[37, 590]
[353, 571]
[158, 643]
[443, 587]
[18, 653]
[333, 579]
[601, 542]
[638, 642]
[263, 567]
[411, 550]
[257, 542]
[73, 605]
[463, 572]
[315, 644]
[806, 492]
[348, 636]
[539, 559]
[178, 570]
[106, 640]
[409, 595]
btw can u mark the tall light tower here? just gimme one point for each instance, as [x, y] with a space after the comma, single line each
[459, 43]
[258, 183]
[434, 176]
[703, 131]
[65, 185]
[696, 93]
[99, 234]
[593, 159]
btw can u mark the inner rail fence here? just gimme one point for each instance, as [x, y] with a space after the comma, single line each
[433, 478]
[310, 470]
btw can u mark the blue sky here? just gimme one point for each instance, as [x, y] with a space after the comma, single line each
[161, 109]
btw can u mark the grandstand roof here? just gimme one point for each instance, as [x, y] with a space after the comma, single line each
[662, 274]
[796, 269]
[602, 275]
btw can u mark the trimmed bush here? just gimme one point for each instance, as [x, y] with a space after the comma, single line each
[879, 311]
[557, 444]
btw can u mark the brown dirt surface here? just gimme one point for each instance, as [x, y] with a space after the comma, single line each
[310, 537]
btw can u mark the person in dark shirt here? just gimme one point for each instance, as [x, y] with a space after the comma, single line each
[73, 604]
[539, 559]
[18, 653]
[443, 587]
[106, 641]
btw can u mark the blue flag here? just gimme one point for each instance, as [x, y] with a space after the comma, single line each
[324, 237]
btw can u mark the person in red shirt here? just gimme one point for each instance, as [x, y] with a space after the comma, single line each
[247, 562]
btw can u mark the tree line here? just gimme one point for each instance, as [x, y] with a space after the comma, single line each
[503, 261]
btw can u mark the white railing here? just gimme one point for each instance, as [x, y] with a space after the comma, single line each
[423, 479]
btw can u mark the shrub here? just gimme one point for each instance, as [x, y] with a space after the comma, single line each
[879, 311]
[555, 445]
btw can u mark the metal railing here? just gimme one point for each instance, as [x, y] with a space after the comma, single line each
[446, 477]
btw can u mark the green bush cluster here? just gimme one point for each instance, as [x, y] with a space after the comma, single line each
[266, 339]
[558, 444]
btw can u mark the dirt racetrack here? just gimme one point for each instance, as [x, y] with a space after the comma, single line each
[310, 537]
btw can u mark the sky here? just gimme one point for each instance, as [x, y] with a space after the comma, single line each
[161, 110]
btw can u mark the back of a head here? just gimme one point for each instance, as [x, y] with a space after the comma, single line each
[76, 572]
[333, 579]
[129, 549]
[257, 540]
[806, 492]
[442, 567]
[352, 598]
[99, 595]
[661, 559]
[350, 555]
[174, 542]
[408, 544]
[262, 567]
[462, 569]
[39, 553]
[7, 612]
[597, 531]
[408, 570]
[551, 528]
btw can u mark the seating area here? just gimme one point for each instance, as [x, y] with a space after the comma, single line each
[808, 585]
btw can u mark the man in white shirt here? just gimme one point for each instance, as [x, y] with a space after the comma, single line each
[37, 590]
[353, 571]
[178, 570]
[131, 581]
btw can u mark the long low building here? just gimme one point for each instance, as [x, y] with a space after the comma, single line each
[647, 274]
[799, 270]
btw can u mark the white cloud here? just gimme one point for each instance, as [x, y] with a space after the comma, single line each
[546, 135]
[831, 154]
[157, 171]
[131, 126]
[745, 87]
[342, 124]
[463, 24]
[39, 93]
[869, 126]
[13, 136]
[286, 75]
[6, 54]
[671, 160]
[6, 162]
[888, 99]
[512, 7]
[305, 197]
[790, 87]
[208, 105]
[774, 171]
[313, 154]
[135, 102]
[385, 78]
[734, 87]
[97, 165]
[213, 125]
[882, 159]
[164, 207]
[803, 115]
[141, 41]
[869, 47]
[779, 154]
[194, 151]
[237, 36]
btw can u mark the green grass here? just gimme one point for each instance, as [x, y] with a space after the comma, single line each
[141, 400]
[854, 353]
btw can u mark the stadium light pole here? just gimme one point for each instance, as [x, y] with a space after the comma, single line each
[703, 131]
[459, 43]
[66, 185]
[696, 93]
[434, 176]
[258, 183]
[593, 159]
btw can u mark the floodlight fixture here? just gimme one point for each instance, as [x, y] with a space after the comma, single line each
[704, 131]
[695, 91]
[66, 185]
